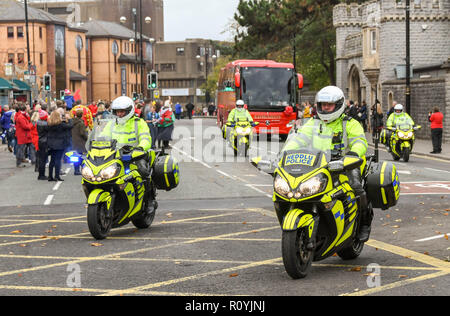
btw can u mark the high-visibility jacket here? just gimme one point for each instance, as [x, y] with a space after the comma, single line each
[348, 136]
[134, 132]
[239, 116]
[398, 120]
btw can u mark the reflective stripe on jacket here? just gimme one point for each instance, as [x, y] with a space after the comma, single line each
[353, 137]
[236, 116]
[133, 133]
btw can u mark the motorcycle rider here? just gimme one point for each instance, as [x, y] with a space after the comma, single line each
[130, 130]
[398, 117]
[239, 113]
[348, 138]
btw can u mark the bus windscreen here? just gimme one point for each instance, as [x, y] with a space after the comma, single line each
[266, 88]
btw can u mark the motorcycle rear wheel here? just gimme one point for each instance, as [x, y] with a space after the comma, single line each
[353, 251]
[99, 221]
[147, 215]
[296, 258]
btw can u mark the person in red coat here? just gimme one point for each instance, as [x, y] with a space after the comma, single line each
[436, 130]
[23, 136]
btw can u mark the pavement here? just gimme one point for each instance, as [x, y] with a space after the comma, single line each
[422, 147]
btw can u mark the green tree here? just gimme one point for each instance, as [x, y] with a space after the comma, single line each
[273, 28]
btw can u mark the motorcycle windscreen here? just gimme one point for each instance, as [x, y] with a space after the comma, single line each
[308, 148]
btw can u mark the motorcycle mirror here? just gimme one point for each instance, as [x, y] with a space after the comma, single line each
[351, 163]
[336, 166]
[265, 166]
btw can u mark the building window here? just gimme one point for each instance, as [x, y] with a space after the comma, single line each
[20, 58]
[10, 32]
[19, 31]
[373, 41]
[41, 58]
[180, 51]
[435, 3]
[168, 67]
[11, 58]
[40, 31]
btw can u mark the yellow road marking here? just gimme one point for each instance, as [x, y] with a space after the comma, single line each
[441, 264]
[192, 277]
[398, 284]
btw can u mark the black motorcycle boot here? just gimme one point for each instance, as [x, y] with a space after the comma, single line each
[366, 219]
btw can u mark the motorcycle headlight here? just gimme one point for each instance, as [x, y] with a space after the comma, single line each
[110, 172]
[313, 186]
[410, 134]
[243, 130]
[87, 173]
[281, 186]
[401, 134]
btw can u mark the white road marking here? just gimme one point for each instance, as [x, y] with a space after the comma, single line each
[432, 238]
[404, 171]
[57, 185]
[438, 170]
[193, 158]
[49, 199]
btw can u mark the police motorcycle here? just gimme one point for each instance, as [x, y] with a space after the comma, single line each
[317, 209]
[121, 184]
[401, 141]
[240, 136]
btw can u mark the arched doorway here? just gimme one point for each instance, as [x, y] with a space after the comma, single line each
[354, 92]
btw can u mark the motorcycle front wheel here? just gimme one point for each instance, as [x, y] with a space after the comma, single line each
[406, 155]
[99, 221]
[296, 258]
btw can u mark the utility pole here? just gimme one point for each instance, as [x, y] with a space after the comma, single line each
[408, 61]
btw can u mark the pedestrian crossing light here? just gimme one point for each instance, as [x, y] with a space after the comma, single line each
[153, 80]
[47, 82]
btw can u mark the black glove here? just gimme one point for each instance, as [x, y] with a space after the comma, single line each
[352, 153]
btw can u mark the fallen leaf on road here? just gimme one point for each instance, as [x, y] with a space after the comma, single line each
[16, 232]
[96, 244]
[446, 237]
[232, 275]
[355, 269]
[169, 215]
[402, 276]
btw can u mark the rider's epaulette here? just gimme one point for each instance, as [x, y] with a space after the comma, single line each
[346, 118]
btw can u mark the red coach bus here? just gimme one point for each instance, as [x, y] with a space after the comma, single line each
[268, 88]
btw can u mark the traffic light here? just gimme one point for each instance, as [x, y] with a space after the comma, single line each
[135, 96]
[152, 79]
[47, 82]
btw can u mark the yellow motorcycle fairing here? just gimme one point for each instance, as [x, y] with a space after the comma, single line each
[296, 219]
[99, 196]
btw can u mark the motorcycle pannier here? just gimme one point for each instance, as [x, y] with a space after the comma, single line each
[383, 137]
[166, 176]
[383, 185]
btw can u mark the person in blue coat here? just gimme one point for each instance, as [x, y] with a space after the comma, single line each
[69, 99]
[178, 111]
[8, 127]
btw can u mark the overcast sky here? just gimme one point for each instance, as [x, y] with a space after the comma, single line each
[198, 19]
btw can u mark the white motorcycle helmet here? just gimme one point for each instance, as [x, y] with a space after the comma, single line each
[398, 109]
[123, 103]
[240, 105]
[330, 94]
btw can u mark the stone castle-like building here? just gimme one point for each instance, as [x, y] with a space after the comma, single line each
[371, 52]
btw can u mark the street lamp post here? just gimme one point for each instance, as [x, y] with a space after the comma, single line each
[207, 53]
[141, 53]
